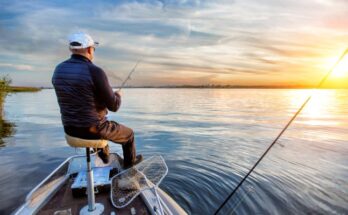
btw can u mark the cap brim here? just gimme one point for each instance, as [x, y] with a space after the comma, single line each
[76, 47]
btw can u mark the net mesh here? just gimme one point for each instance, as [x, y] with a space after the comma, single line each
[128, 184]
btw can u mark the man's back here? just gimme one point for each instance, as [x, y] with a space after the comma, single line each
[83, 92]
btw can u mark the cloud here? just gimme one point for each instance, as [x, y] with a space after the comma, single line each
[204, 39]
[20, 67]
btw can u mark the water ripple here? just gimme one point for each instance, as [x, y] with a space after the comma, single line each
[209, 138]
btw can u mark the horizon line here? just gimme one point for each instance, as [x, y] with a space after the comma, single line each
[214, 86]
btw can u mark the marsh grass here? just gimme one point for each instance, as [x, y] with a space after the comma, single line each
[6, 128]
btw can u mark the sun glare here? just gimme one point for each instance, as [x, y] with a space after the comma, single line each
[341, 69]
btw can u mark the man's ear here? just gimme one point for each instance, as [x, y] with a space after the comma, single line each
[89, 50]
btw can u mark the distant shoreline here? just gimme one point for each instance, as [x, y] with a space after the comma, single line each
[17, 89]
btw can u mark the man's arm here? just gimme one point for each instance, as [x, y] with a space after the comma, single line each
[104, 91]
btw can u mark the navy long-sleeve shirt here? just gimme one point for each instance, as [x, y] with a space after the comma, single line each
[84, 95]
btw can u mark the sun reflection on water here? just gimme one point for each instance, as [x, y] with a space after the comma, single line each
[318, 111]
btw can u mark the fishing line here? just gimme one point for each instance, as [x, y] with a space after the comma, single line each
[129, 75]
[282, 131]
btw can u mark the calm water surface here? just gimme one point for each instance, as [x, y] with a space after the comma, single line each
[209, 139]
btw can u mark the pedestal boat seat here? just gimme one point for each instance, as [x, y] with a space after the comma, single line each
[92, 207]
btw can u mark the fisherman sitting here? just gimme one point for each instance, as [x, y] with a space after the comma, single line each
[84, 96]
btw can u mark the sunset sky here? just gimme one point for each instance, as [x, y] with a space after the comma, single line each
[184, 42]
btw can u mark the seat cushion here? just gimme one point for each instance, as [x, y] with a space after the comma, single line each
[84, 143]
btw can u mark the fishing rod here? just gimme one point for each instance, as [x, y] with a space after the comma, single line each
[129, 75]
[282, 131]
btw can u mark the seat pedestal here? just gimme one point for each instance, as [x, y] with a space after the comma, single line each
[99, 209]
[92, 208]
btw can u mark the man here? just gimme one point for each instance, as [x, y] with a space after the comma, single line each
[84, 96]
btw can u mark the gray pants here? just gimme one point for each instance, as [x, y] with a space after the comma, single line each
[120, 134]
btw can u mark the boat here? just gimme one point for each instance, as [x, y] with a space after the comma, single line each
[67, 189]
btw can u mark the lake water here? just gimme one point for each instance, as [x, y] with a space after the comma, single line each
[209, 138]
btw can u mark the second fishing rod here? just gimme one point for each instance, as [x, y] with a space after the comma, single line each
[320, 84]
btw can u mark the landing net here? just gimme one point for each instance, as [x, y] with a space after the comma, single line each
[128, 184]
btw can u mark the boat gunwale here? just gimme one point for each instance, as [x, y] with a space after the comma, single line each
[29, 195]
[37, 187]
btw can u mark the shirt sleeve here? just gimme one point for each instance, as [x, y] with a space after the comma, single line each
[104, 92]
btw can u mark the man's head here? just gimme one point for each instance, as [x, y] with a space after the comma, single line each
[82, 44]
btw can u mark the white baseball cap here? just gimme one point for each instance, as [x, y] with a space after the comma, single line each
[81, 40]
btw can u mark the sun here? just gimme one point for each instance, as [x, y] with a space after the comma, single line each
[341, 69]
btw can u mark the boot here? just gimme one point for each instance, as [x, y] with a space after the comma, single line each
[104, 154]
[137, 160]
